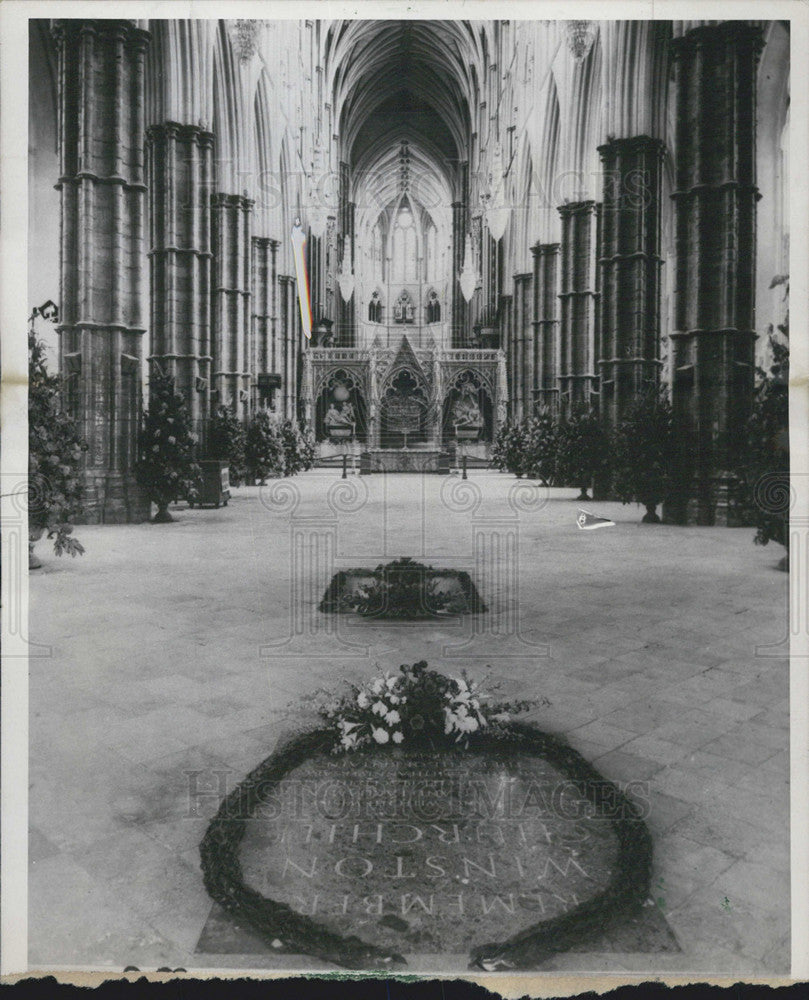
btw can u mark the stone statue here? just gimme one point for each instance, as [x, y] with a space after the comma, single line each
[339, 416]
[466, 411]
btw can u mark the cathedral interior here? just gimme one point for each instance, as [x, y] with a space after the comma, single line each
[499, 215]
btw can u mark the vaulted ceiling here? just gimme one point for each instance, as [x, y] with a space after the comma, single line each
[395, 81]
[413, 74]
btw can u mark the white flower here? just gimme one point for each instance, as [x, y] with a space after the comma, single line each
[394, 699]
[362, 700]
[393, 717]
[378, 686]
[381, 735]
[379, 708]
[391, 682]
[397, 737]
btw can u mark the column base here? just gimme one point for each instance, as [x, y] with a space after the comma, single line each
[112, 498]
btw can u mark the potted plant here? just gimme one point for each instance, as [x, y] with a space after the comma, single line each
[763, 472]
[264, 447]
[509, 451]
[226, 442]
[54, 457]
[645, 454]
[583, 449]
[167, 470]
[299, 448]
[542, 433]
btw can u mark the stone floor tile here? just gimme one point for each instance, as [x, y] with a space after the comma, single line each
[619, 766]
[603, 734]
[736, 748]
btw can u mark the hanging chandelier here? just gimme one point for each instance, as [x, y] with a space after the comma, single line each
[468, 277]
[495, 203]
[580, 38]
[345, 279]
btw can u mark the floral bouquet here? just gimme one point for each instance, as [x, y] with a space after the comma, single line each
[415, 706]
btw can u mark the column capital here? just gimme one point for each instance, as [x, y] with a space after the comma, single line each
[633, 144]
[741, 32]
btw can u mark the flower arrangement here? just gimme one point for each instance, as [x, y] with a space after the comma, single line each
[414, 706]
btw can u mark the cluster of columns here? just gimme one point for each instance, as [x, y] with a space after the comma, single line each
[220, 316]
[597, 293]
[103, 191]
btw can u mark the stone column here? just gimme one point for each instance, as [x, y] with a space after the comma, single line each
[505, 328]
[287, 289]
[231, 312]
[180, 159]
[546, 324]
[578, 379]
[524, 344]
[103, 191]
[715, 205]
[264, 301]
[630, 272]
[459, 306]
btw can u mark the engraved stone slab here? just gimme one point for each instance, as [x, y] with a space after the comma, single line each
[428, 852]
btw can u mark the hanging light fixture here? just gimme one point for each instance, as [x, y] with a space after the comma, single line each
[345, 279]
[495, 202]
[580, 38]
[468, 277]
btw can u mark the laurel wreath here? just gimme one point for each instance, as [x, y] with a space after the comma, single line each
[285, 929]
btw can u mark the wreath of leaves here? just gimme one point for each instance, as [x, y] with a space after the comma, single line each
[402, 589]
[283, 927]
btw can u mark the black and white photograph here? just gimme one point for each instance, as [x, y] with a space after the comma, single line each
[413, 545]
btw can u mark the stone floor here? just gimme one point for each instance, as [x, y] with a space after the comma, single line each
[659, 652]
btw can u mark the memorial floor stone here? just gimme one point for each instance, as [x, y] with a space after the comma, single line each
[431, 851]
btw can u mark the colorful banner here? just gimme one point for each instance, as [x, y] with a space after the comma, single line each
[299, 253]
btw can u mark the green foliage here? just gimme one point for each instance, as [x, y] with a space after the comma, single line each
[645, 452]
[167, 470]
[582, 448]
[264, 448]
[509, 451]
[404, 589]
[54, 456]
[299, 448]
[764, 473]
[226, 442]
[542, 445]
